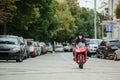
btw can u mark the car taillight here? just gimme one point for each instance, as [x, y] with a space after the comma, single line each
[31, 49]
[106, 47]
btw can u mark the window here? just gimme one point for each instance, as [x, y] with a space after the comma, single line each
[8, 40]
[103, 43]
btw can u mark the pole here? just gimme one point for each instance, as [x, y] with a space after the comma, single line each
[102, 31]
[95, 31]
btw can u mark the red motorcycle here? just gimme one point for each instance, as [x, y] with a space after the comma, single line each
[80, 53]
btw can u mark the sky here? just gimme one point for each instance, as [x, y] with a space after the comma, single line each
[90, 4]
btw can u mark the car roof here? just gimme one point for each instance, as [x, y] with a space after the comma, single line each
[59, 45]
[110, 40]
[8, 36]
[95, 39]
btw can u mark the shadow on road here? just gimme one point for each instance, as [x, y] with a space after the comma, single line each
[8, 61]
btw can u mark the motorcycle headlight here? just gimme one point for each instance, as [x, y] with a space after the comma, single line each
[77, 50]
[16, 49]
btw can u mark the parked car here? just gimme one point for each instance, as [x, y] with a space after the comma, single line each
[117, 55]
[32, 48]
[93, 45]
[25, 46]
[87, 41]
[37, 46]
[43, 47]
[107, 48]
[11, 48]
[49, 47]
[59, 48]
[67, 47]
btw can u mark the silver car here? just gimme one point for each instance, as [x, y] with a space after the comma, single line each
[49, 47]
[59, 48]
[117, 55]
[93, 45]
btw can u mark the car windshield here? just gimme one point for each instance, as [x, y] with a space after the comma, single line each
[64, 44]
[42, 43]
[8, 40]
[30, 43]
[113, 43]
[94, 42]
[58, 46]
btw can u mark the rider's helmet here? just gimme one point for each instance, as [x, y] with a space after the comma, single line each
[80, 34]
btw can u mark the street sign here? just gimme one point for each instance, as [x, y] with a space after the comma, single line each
[109, 27]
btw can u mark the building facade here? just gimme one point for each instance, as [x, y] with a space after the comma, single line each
[109, 18]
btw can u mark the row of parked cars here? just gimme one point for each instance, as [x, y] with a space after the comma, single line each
[17, 48]
[65, 47]
[104, 48]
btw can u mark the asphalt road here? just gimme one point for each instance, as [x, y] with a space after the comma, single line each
[59, 66]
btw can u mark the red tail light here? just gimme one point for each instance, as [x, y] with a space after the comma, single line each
[106, 47]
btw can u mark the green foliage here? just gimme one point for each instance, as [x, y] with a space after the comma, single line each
[67, 25]
[84, 18]
[7, 8]
[45, 20]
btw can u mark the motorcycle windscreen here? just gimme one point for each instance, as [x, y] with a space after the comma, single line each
[80, 44]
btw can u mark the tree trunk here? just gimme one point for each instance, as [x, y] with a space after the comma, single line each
[5, 28]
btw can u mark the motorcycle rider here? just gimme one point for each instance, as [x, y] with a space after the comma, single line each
[79, 39]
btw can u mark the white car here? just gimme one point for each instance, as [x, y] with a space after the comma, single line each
[49, 47]
[117, 55]
[93, 45]
[67, 48]
[59, 48]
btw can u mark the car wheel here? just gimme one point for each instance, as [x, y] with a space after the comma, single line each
[20, 59]
[89, 54]
[102, 56]
[25, 54]
[115, 57]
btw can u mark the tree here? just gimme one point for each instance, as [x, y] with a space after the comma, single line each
[83, 18]
[66, 23]
[7, 8]
[117, 11]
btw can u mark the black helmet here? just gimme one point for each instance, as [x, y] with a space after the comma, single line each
[80, 33]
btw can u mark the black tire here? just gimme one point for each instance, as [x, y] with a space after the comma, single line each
[25, 57]
[20, 59]
[115, 57]
[81, 63]
[97, 54]
[89, 55]
[71, 50]
[28, 56]
[102, 56]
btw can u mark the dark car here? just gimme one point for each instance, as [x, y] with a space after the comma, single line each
[107, 48]
[11, 48]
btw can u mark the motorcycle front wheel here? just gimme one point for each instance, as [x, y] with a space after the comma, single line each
[81, 63]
